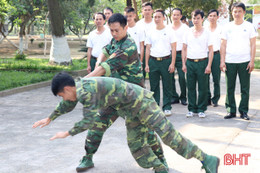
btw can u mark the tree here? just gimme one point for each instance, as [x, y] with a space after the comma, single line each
[60, 52]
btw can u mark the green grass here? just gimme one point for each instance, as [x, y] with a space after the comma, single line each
[39, 65]
[16, 73]
[257, 64]
[13, 79]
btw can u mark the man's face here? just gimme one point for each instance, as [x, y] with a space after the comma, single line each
[147, 11]
[197, 20]
[176, 15]
[238, 13]
[213, 17]
[158, 18]
[117, 31]
[68, 94]
[99, 20]
[130, 17]
[108, 14]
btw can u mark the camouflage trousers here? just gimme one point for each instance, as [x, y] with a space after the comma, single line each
[150, 116]
[152, 143]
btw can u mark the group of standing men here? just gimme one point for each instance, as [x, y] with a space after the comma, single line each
[195, 51]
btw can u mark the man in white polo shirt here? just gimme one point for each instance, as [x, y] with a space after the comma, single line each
[238, 48]
[147, 23]
[179, 29]
[97, 39]
[215, 30]
[135, 31]
[197, 63]
[160, 60]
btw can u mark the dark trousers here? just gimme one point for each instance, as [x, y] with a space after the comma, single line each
[196, 74]
[93, 61]
[182, 80]
[215, 71]
[159, 69]
[244, 77]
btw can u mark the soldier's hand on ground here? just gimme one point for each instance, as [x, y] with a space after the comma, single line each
[250, 66]
[42, 123]
[223, 67]
[171, 68]
[147, 70]
[60, 135]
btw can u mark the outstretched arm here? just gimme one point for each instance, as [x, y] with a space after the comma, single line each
[42, 123]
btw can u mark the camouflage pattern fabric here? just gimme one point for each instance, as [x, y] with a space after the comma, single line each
[142, 113]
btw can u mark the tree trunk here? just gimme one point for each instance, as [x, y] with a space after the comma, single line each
[135, 7]
[60, 52]
[129, 3]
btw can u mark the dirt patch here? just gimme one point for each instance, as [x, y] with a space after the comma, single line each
[7, 50]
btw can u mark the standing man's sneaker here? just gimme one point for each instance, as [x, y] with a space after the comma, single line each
[210, 164]
[201, 114]
[175, 101]
[189, 114]
[183, 102]
[167, 113]
[215, 104]
[85, 163]
[244, 116]
[230, 115]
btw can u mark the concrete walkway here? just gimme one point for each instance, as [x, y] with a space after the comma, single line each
[27, 150]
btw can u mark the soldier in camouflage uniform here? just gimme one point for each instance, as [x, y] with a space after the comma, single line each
[132, 101]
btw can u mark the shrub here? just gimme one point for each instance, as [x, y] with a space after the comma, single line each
[19, 56]
[41, 45]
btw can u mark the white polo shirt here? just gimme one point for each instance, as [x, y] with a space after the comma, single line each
[98, 41]
[197, 47]
[146, 26]
[216, 37]
[179, 33]
[238, 41]
[137, 34]
[160, 41]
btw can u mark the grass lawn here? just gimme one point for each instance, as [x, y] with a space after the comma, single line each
[15, 73]
[13, 79]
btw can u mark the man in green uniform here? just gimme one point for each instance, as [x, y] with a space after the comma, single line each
[136, 103]
[122, 62]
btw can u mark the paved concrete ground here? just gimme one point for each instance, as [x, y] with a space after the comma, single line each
[27, 150]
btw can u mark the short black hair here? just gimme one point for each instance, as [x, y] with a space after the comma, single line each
[59, 81]
[161, 11]
[239, 4]
[118, 17]
[197, 12]
[147, 4]
[212, 11]
[183, 18]
[178, 10]
[104, 17]
[129, 10]
[110, 9]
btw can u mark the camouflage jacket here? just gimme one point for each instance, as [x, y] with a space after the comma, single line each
[123, 61]
[100, 92]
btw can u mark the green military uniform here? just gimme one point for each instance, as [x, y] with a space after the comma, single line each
[182, 80]
[123, 63]
[215, 71]
[140, 110]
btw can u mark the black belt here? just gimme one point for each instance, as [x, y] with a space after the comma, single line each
[196, 60]
[178, 52]
[160, 58]
[216, 52]
[93, 57]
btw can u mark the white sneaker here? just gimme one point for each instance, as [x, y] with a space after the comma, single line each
[189, 114]
[202, 115]
[167, 113]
